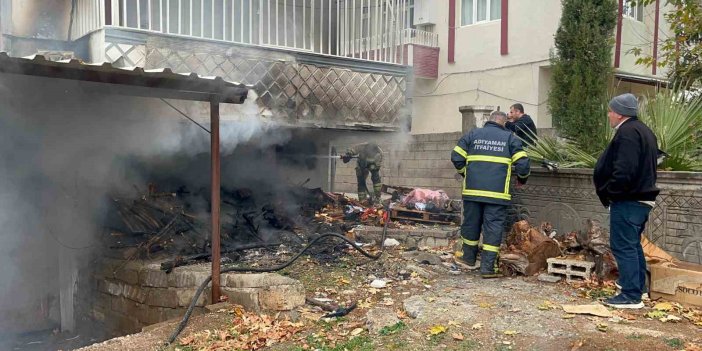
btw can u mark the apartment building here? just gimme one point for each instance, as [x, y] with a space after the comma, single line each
[496, 52]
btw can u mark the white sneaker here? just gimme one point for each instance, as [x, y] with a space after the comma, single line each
[644, 296]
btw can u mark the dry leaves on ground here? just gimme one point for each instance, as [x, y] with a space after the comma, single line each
[248, 332]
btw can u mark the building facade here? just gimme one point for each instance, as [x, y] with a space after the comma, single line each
[496, 53]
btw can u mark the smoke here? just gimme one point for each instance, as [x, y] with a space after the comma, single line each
[64, 151]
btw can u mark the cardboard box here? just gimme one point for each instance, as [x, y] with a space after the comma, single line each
[677, 281]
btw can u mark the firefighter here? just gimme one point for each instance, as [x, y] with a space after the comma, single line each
[484, 157]
[370, 159]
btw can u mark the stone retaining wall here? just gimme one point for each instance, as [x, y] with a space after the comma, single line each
[135, 294]
[567, 199]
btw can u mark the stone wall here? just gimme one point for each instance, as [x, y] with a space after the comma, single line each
[418, 161]
[567, 199]
[134, 294]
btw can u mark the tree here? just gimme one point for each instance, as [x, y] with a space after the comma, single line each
[681, 53]
[582, 69]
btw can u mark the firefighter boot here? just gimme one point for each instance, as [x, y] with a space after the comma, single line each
[376, 193]
[469, 258]
[488, 265]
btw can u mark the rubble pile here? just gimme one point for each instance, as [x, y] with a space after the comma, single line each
[176, 224]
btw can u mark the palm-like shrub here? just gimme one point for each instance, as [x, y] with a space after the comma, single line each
[675, 119]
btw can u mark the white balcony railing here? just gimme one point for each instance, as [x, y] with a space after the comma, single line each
[328, 27]
[87, 16]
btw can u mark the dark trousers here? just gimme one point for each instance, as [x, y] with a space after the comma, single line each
[362, 175]
[627, 222]
[489, 218]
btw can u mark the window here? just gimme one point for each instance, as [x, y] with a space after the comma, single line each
[476, 11]
[633, 11]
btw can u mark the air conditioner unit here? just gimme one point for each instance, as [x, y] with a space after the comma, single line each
[425, 12]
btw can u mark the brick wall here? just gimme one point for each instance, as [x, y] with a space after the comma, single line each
[419, 161]
[567, 199]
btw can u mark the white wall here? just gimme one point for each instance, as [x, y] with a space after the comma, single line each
[481, 75]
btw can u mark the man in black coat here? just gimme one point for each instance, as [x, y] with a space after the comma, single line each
[625, 182]
[521, 124]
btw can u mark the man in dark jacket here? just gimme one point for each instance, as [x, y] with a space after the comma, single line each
[521, 124]
[484, 157]
[625, 182]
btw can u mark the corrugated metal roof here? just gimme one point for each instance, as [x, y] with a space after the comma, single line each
[162, 82]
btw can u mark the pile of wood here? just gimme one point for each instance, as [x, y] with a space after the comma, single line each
[527, 249]
[177, 224]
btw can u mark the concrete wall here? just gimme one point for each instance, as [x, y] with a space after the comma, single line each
[44, 19]
[481, 76]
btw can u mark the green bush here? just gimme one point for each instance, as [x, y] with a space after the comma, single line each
[582, 69]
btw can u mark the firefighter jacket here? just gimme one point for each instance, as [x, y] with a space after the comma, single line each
[484, 156]
[370, 156]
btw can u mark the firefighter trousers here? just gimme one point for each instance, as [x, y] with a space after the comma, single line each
[488, 218]
[362, 176]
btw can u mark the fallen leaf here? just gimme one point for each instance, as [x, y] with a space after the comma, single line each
[437, 329]
[454, 324]
[477, 326]
[663, 306]
[547, 305]
[602, 327]
[511, 332]
[431, 299]
[356, 331]
[627, 316]
[457, 336]
[670, 318]
[568, 316]
[655, 314]
[485, 305]
[577, 345]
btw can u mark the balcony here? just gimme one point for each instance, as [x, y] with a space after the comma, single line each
[374, 30]
[325, 63]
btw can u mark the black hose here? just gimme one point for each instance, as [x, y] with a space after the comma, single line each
[184, 322]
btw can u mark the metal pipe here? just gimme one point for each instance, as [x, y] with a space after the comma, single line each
[215, 200]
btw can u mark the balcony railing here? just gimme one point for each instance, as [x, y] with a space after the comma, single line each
[327, 27]
[88, 16]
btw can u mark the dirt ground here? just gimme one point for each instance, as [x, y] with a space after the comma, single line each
[432, 306]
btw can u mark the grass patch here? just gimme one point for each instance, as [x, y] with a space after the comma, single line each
[674, 343]
[467, 345]
[358, 343]
[392, 329]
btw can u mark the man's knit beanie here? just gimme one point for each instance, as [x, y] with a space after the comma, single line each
[625, 105]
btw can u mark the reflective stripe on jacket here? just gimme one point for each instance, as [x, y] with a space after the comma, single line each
[485, 157]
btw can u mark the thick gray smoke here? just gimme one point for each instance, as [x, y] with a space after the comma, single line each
[64, 151]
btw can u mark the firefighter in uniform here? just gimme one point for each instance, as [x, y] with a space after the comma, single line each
[484, 157]
[370, 159]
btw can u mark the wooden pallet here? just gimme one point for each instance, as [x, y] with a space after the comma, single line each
[423, 216]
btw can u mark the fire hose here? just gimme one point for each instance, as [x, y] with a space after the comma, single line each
[184, 322]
